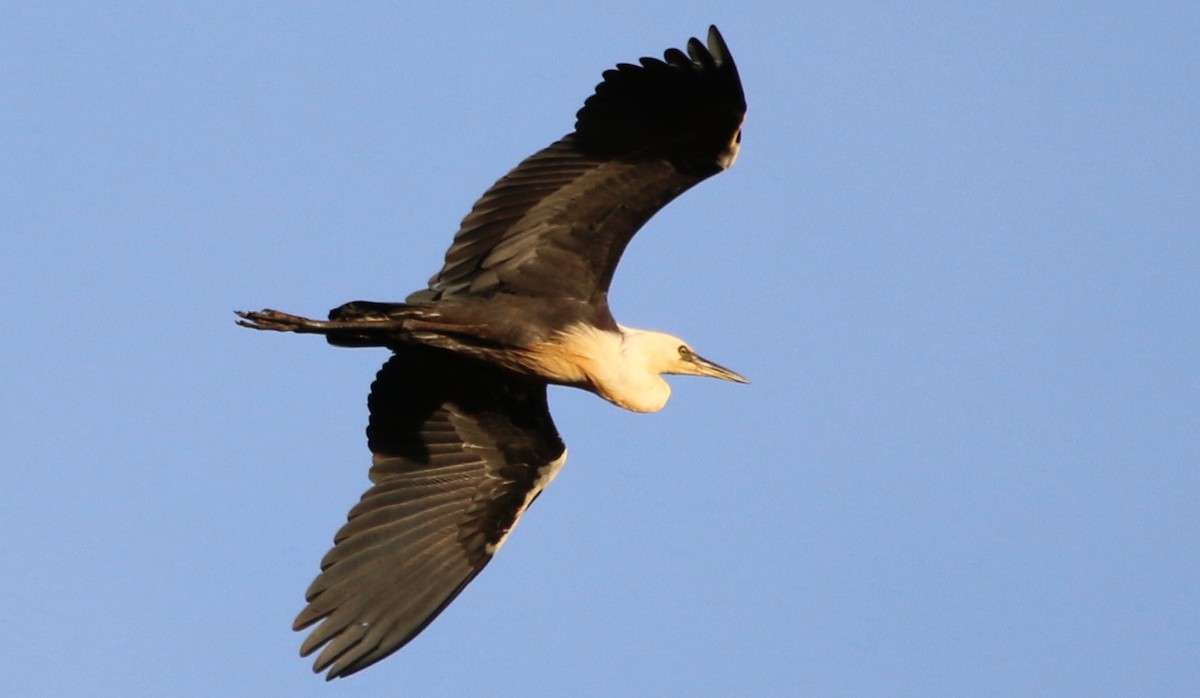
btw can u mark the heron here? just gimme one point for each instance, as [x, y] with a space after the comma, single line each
[460, 432]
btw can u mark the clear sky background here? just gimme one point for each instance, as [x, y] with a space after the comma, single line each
[959, 258]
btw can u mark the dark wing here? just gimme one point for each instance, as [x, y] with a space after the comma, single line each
[460, 451]
[558, 223]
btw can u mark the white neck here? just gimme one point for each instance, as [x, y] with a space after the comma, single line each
[621, 367]
[632, 381]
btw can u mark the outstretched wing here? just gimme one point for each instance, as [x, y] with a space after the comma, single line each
[558, 223]
[460, 449]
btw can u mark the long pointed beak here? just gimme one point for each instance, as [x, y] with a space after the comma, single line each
[707, 368]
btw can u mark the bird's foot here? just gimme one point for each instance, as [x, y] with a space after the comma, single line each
[279, 321]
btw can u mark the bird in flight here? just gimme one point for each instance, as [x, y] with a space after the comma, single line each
[460, 433]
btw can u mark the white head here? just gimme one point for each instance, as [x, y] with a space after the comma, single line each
[646, 356]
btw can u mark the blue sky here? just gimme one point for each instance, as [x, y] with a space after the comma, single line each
[959, 258]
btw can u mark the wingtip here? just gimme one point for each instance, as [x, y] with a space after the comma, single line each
[717, 46]
[685, 101]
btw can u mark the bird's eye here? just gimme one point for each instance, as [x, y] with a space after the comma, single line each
[738, 138]
[684, 352]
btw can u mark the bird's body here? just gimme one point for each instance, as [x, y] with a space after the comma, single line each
[462, 437]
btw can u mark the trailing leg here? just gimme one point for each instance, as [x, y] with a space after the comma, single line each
[285, 322]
